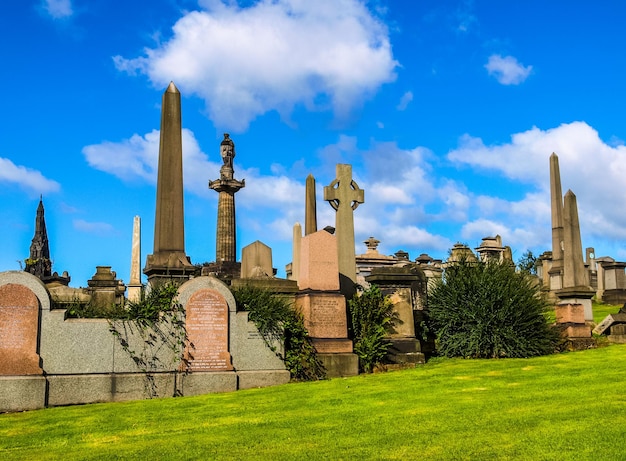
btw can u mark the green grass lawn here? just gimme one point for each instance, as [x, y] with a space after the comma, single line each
[566, 406]
[600, 311]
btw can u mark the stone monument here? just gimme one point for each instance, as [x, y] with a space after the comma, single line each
[576, 289]
[310, 209]
[39, 263]
[556, 204]
[226, 265]
[322, 304]
[168, 260]
[134, 285]
[344, 195]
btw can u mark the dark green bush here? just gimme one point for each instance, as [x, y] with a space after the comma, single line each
[487, 310]
[276, 320]
[372, 320]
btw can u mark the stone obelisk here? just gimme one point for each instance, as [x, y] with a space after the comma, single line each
[310, 209]
[556, 204]
[168, 260]
[344, 195]
[227, 186]
[576, 289]
[295, 251]
[134, 285]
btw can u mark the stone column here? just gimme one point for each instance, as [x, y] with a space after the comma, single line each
[295, 257]
[576, 289]
[168, 259]
[344, 195]
[310, 210]
[227, 186]
[134, 285]
[556, 202]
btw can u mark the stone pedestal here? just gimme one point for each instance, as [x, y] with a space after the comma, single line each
[570, 321]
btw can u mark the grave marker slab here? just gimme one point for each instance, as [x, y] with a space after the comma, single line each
[19, 328]
[207, 332]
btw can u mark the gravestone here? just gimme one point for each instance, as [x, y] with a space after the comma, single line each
[207, 332]
[256, 261]
[323, 306]
[19, 329]
[570, 322]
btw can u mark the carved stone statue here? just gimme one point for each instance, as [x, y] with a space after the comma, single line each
[227, 150]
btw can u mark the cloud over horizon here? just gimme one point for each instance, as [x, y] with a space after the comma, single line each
[272, 56]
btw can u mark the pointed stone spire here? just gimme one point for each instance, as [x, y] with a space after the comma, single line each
[310, 209]
[556, 204]
[168, 258]
[38, 262]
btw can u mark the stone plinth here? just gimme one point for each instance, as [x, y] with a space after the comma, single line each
[207, 332]
[570, 322]
[19, 329]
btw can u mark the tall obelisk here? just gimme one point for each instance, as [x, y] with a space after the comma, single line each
[576, 289]
[134, 285]
[227, 186]
[556, 204]
[310, 206]
[168, 260]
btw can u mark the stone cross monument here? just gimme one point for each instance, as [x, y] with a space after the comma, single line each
[344, 195]
[168, 259]
[227, 186]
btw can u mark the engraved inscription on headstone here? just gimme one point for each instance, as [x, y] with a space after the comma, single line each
[207, 332]
[19, 324]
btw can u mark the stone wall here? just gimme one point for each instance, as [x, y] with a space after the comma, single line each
[82, 361]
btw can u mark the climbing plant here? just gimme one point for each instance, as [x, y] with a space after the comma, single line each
[278, 322]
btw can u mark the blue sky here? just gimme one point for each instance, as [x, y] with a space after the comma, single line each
[447, 110]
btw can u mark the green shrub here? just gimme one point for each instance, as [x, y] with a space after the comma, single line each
[372, 320]
[487, 310]
[277, 321]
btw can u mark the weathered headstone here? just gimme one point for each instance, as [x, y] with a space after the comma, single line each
[19, 329]
[207, 332]
[256, 261]
[344, 195]
[323, 306]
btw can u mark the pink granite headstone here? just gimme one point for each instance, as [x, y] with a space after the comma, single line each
[19, 328]
[207, 332]
[319, 266]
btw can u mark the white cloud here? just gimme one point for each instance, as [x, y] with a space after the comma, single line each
[137, 158]
[507, 70]
[405, 100]
[30, 180]
[272, 55]
[591, 168]
[58, 9]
